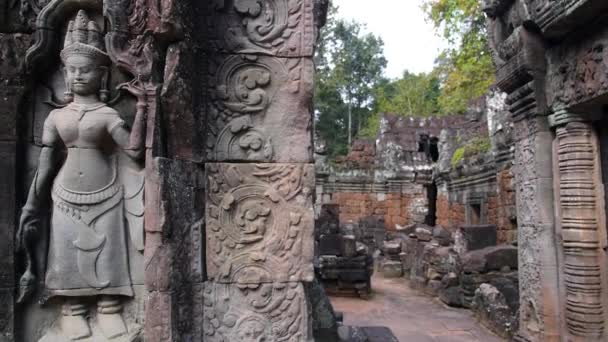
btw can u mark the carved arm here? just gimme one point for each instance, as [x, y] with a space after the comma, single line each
[133, 143]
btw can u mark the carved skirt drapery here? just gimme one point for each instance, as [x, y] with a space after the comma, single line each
[89, 246]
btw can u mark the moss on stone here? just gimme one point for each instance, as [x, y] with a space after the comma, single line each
[475, 146]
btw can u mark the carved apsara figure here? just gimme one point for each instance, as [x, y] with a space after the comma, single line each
[96, 219]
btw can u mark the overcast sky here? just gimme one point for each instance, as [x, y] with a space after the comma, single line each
[409, 41]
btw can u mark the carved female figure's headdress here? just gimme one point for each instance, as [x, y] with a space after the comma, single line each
[84, 38]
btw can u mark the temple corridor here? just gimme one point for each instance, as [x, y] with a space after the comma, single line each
[411, 315]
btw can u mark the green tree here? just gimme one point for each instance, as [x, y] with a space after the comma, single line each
[350, 64]
[465, 69]
[411, 95]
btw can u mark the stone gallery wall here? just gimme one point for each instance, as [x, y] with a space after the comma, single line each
[551, 62]
[408, 175]
[482, 197]
[224, 93]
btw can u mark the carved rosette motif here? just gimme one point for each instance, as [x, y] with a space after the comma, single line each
[585, 310]
[242, 92]
[259, 223]
[269, 312]
[272, 27]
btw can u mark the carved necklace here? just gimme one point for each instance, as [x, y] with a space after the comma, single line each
[83, 109]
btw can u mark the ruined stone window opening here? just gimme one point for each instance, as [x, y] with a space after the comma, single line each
[474, 214]
[430, 146]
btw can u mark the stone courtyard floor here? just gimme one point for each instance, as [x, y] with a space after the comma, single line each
[411, 315]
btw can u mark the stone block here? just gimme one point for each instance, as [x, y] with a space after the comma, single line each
[175, 255]
[259, 109]
[264, 312]
[158, 317]
[433, 287]
[349, 246]
[7, 213]
[424, 234]
[259, 223]
[328, 221]
[470, 238]
[442, 235]
[490, 259]
[330, 244]
[324, 320]
[451, 296]
[278, 28]
[184, 126]
[7, 314]
[12, 71]
[491, 308]
[392, 247]
[392, 269]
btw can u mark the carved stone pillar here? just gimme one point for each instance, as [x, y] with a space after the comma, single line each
[519, 54]
[259, 170]
[583, 229]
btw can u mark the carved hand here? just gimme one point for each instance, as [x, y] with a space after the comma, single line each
[137, 88]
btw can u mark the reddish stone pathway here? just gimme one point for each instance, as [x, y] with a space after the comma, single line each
[411, 315]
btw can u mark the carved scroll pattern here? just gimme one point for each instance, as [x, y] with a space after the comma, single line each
[272, 312]
[259, 221]
[274, 27]
[584, 307]
[242, 91]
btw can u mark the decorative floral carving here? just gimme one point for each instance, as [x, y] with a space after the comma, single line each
[239, 140]
[254, 225]
[275, 27]
[242, 90]
[260, 312]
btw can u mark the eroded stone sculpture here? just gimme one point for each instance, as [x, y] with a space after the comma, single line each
[96, 195]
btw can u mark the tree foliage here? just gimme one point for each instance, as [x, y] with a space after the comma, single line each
[350, 64]
[465, 68]
[411, 95]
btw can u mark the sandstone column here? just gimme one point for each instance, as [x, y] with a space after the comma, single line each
[583, 229]
[519, 55]
[259, 170]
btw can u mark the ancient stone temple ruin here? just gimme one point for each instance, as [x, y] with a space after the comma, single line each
[157, 170]
[160, 181]
[515, 228]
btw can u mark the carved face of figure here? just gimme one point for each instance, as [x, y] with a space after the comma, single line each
[83, 74]
[251, 330]
[253, 217]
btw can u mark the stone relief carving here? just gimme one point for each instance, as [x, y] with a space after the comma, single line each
[273, 27]
[503, 18]
[96, 195]
[578, 75]
[243, 96]
[269, 312]
[259, 223]
[20, 15]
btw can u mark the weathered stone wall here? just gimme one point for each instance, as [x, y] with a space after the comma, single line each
[496, 206]
[397, 208]
[228, 170]
[551, 62]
